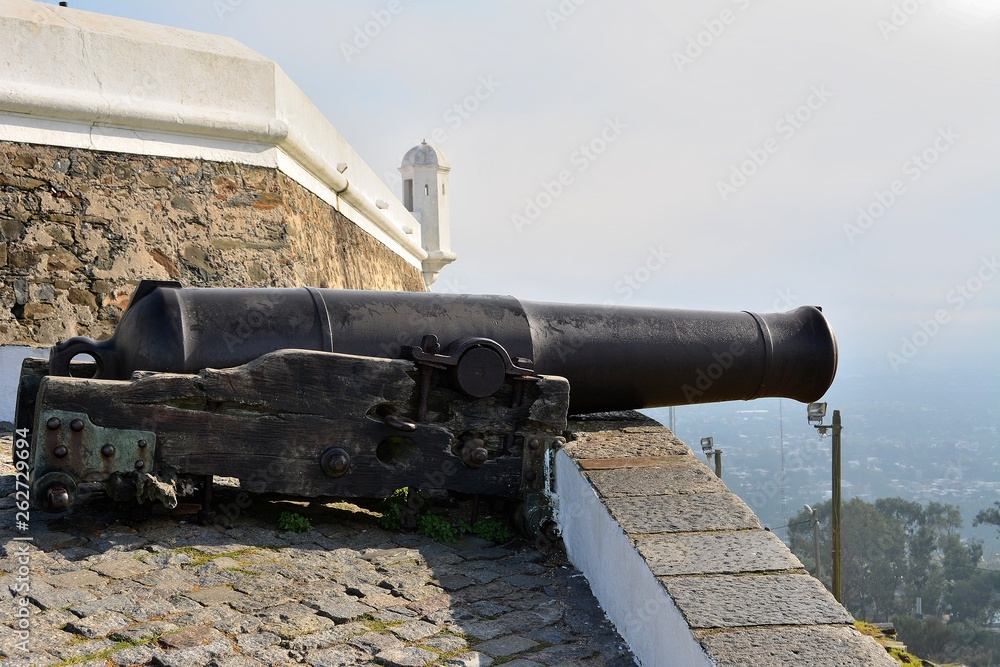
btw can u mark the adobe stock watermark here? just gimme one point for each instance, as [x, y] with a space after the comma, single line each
[712, 30]
[223, 7]
[563, 11]
[634, 280]
[370, 30]
[913, 168]
[584, 156]
[455, 117]
[786, 126]
[901, 14]
[958, 297]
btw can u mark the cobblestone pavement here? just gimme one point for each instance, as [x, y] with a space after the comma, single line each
[107, 591]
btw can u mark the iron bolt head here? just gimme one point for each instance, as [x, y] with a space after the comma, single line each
[139, 465]
[335, 461]
[533, 444]
[53, 423]
[530, 475]
[76, 425]
[58, 498]
[142, 444]
[108, 450]
[60, 451]
[474, 453]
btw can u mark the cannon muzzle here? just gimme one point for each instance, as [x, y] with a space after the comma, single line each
[614, 357]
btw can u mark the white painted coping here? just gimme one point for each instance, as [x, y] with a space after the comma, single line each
[642, 611]
[11, 357]
[84, 80]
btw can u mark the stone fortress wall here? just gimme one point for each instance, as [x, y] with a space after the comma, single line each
[81, 228]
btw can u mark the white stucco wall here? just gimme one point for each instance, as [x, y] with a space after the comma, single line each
[645, 616]
[11, 357]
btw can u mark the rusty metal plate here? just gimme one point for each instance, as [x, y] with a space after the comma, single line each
[70, 442]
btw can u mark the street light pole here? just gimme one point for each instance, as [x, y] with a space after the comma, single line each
[835, 510]
[815, 518]
[815, 413]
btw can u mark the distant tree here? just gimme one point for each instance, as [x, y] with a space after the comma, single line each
[873, 556]
[895, 551]
[990, 515]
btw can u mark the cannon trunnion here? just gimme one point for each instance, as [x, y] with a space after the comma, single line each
[344, 393]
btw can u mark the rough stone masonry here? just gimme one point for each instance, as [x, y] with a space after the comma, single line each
[81, 228]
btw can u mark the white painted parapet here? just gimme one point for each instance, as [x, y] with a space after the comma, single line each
[681, 565]
[11, 357]
[83, 80]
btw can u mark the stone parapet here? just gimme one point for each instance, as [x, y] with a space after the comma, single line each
[682, 566]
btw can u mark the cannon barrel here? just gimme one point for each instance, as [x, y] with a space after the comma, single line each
[614, 357]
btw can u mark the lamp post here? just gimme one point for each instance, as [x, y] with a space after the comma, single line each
[815, 414]
[708, 448]
[815, 521]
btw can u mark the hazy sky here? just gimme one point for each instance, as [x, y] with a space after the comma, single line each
[712, 154]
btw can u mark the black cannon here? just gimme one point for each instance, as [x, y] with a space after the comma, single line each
[344, 393]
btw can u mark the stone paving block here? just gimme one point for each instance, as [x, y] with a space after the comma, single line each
[482, 629]
[340, 610]
[215, 595]
[168, 581]
[679, 475]
[673, 514]
[445, 643]
[248, 643]
[99, 624]
[374, 643]
[505, 646]
[716, 553]
[326, 638]
[471, 659]
[414, 630]
[492, 590]
[454, 582]
[80, 649]
[75, 579]
[527, 581]
[391, 616]
[430, 604]
[817, 646]
[110, 603]
[451, 615]
[293, 619]
[122, 567]
[489, 608]
[521, 662]
[525, 621]
[276, 655]
[561, 654]
[338, 656]
[197, 656]
[196, 635]
[726, 601]
[45, 596]
[134, 655]
[410, 656]
[142, 631]
[237, 661]
[239, 623]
